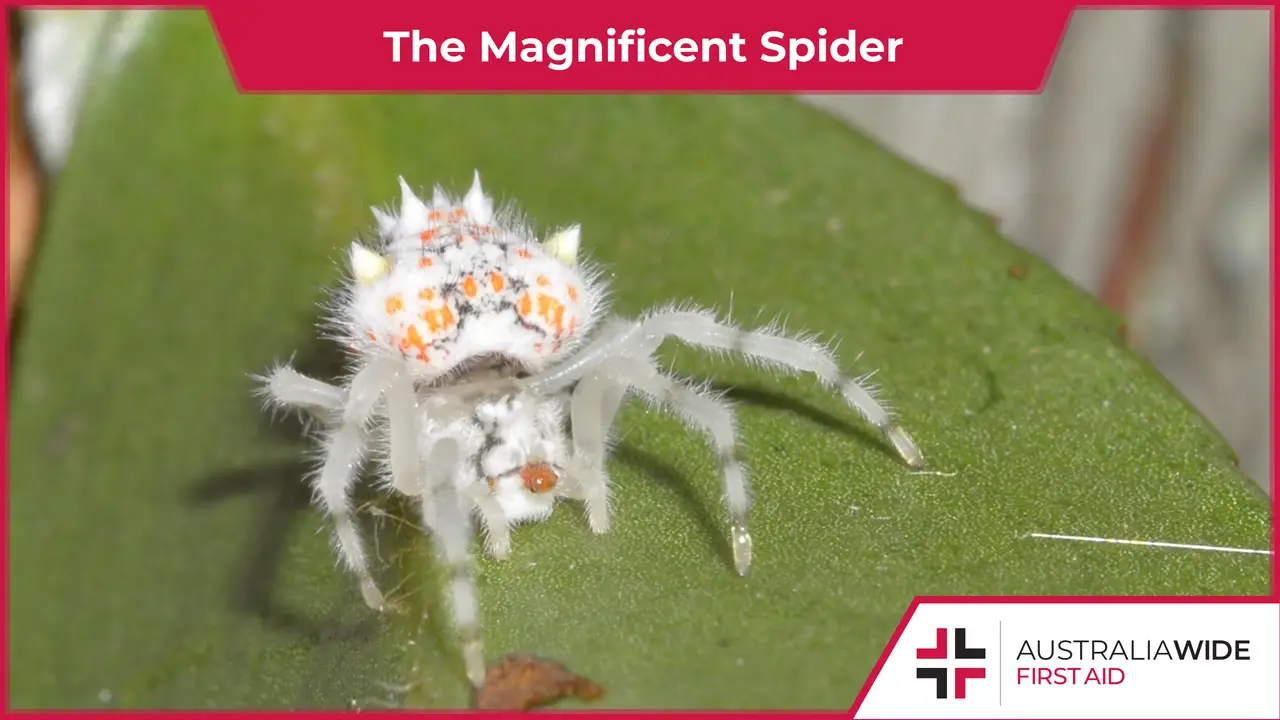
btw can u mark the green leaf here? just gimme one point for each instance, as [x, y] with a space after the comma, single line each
[163, 552]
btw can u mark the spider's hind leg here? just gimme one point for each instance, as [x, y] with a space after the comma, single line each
[709, 412]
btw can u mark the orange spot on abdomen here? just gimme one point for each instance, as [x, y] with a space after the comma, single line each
[412, 339]
[470, 287]
[394, 304]
[551, 311]
[439, 319]
[496, 281]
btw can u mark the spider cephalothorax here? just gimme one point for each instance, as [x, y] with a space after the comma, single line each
[488, 377]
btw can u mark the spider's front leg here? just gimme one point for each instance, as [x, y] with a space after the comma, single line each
[445, 513]
[497, 528]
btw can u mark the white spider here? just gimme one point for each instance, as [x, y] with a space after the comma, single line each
[488, 374]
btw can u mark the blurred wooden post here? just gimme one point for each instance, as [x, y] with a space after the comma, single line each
[25, 178]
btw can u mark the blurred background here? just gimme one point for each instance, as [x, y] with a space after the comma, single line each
[1141, 173]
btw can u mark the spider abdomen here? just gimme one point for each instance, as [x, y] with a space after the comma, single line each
[454, 281]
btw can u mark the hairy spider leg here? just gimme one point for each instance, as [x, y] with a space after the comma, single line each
[700, 409]
[345, 447]
[444, 513]
[767, 347]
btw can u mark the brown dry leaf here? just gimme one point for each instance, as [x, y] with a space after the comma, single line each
[522, 682]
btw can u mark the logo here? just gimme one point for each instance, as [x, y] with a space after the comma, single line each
[962, 674]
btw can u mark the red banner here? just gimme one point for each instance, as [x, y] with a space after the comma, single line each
[658, 46]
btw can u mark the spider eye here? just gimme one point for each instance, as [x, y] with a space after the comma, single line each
[539, 477]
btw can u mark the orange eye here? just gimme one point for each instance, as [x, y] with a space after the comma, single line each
[539, 477]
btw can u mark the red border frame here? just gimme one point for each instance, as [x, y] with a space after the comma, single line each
[1273, 598]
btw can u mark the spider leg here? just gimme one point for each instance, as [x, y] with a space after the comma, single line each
[446, 516]
[770, 347]
[333, 485]
[287, 388]
[592, 407]
[561, 376]
[710, 413]
[494, 519]
[344, 448]
[403, 434]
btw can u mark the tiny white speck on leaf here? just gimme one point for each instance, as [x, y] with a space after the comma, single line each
[104, 696]
[936, 473]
